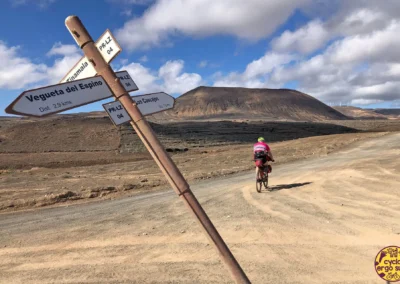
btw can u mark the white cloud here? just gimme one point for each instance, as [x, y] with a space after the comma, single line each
[361, 69]
[363, 20]
[256, 74]
[267, 63]
[70, 56]
[363, 16]
[143, 58]
[250, 20]
[304, 40]
[378, 46]
[144, 78]
[63, 49]
[169, 78]
[361, 65]
[60, 67]
[364, 102]
[16, 71]
[175, 81]
[235, 79]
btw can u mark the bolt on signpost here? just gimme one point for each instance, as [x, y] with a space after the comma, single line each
[152, 144]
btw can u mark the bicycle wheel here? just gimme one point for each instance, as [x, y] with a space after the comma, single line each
[265, 181]
[258, 186]
[259, 183]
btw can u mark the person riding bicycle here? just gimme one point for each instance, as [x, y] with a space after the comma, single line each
[262, 154]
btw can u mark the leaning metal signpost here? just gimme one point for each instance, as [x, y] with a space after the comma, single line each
[81, 86]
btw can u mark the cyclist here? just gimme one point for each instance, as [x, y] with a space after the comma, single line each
[262, 154]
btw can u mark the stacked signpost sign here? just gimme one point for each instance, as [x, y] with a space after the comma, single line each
[147, 104]
[92, 79]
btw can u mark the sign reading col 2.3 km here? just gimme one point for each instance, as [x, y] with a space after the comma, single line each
[57, 98]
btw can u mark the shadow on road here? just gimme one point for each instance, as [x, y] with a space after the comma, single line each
[287, 186]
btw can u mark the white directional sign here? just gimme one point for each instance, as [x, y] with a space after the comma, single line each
[117, 113]
[127, 81]
[108, 47]
[57, 98]
[153, 103]
[147, 104]
[83, 69]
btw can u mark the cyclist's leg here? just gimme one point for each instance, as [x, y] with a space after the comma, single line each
[265, 162]
[267, 165]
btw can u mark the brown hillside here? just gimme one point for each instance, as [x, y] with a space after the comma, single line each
[272, 104]
[391, 113]
[359, 113]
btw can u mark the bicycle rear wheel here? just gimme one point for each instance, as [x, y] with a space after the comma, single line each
[265, 181]
[265, 177]
[259, 183]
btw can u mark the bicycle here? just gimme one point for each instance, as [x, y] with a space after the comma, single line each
[262, 178]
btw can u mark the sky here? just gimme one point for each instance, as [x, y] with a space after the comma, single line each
[338, 51]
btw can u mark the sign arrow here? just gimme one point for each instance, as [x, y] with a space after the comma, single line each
[148, 104]
[57, 98]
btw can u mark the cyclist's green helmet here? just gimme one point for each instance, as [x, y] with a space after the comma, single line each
[260, 139]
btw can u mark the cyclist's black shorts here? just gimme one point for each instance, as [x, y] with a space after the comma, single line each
[260, 156]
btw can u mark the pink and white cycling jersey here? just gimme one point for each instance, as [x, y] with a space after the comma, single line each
[261, 146]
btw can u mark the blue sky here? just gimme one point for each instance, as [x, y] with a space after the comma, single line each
[336, 51]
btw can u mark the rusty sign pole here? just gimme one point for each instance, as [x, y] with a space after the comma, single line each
[153, 145]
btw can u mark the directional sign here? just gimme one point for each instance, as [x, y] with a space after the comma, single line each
[57, 98]
[147, 104]
[127, 81]
[153, 103]
[117, 113]
[108, 47]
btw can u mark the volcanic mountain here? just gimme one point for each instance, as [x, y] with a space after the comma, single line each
[244, 103]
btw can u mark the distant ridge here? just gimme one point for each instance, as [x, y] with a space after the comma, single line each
[359, 113]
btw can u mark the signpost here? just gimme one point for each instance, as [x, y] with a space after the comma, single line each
[117, 113]
[108, 47]
[61, 97]
[57, 98]
[153, 103]
[127, 81]
[147, 104]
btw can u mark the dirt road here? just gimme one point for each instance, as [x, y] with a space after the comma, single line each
[323, 222]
